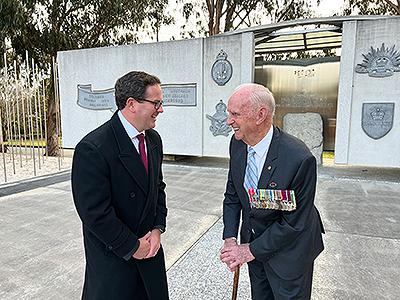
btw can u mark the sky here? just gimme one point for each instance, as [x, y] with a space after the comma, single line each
[328, 7]
[325, 9]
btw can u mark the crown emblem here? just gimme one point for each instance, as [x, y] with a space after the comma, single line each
[220, 107]
[377, 114]
[380, 62]
[222, 55]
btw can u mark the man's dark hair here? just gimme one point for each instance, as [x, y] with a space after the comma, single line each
[134, 85]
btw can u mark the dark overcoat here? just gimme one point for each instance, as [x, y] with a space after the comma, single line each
[288, 241]
[118, 203]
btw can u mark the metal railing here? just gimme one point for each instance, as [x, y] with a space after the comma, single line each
[23, 116]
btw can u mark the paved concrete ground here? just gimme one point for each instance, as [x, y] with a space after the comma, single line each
[41, 251]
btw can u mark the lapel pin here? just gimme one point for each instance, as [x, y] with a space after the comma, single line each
[269, 168]
[272, 184]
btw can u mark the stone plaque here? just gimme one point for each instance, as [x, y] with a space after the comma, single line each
[308, 127]
[96, 99]
[179, 94]
[377, 119]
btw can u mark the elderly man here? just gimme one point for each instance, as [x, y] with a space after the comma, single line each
[118, 189]
[271, 183]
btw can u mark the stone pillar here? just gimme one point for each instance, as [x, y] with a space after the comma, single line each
[367, 125]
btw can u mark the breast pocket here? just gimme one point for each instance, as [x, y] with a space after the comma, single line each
[260, 219]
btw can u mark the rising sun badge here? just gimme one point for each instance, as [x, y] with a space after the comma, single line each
[380, 62]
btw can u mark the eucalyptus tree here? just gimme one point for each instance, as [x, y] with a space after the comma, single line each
[372, 7]
[43, 27]
[226, 15]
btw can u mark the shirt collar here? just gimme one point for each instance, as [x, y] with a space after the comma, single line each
[262, 146]
[129, 128]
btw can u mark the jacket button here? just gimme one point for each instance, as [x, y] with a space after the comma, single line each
[132, 195]
[110, 247]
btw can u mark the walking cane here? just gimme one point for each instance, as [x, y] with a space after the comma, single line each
[235, 283]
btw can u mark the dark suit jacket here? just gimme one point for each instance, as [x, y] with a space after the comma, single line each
[287, 241]
[119, 203]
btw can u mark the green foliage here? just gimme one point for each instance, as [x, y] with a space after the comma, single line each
[302, 54]
[225, 15]
[44, 27]
[372, 7]
[157, 19]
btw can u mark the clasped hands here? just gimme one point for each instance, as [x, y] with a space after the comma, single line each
[234, 255]
[149, 245]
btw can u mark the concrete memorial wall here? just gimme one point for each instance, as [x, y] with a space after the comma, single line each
[197, 77]
[368, 115]
[237, 59]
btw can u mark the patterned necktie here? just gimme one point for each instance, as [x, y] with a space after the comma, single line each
[142, 152]
[251, 176]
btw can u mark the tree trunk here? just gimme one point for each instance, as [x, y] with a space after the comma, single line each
[52, 146]
[2, 131]
[210, 8]
[230, 10]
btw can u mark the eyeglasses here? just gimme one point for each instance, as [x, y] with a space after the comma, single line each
[157, 103]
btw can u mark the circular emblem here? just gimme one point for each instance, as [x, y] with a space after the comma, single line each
[221, 71]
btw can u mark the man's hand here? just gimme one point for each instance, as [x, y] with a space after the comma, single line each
[144, 247]
[155, 242]
[236, 255]
[228, 243]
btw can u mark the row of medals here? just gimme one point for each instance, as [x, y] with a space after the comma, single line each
[272, 199]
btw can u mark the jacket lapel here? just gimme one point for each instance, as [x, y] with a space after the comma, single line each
[271, 160]
[239, 162]
[129, 157]
[153, 175]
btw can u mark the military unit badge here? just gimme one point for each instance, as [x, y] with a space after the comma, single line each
[377, 119]
[272, 199]
[380, 62]
[218, 120]
[221, 71]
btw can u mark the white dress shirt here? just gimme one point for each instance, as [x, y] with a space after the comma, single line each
[131, 131]
[261, 150]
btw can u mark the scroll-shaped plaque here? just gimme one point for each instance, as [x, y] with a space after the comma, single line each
[96, 99]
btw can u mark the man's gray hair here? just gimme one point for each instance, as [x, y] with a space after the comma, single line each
[259, 96]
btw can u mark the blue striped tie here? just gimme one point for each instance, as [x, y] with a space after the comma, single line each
[251, 176]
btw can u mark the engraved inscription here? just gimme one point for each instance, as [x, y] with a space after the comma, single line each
[179, 94]
[305, 99]
[95, 99]
[304, 73]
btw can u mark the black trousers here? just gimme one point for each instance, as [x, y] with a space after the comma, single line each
[267, 285]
